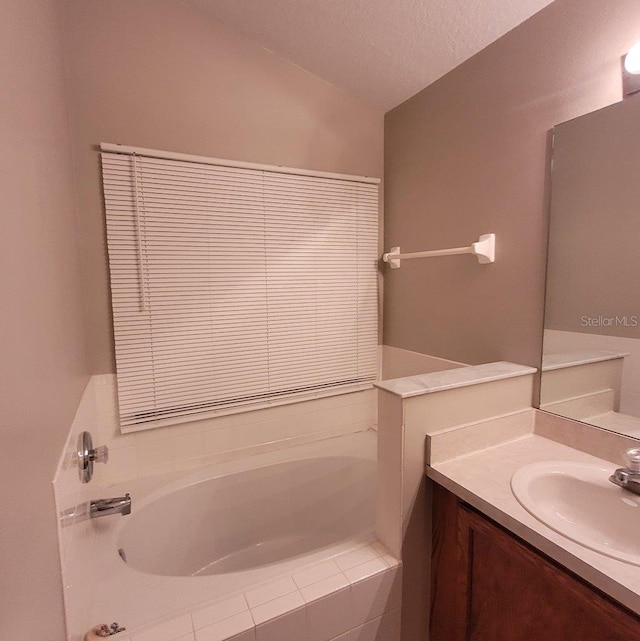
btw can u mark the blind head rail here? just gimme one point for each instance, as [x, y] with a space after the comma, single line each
[484, 249]
[144, 152]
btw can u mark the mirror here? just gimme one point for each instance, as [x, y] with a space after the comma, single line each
[591, 347]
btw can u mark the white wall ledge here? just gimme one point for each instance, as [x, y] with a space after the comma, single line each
[552, 362]
[450, 379]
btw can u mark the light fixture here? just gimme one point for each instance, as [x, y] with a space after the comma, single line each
[632, 59]
[630, 65]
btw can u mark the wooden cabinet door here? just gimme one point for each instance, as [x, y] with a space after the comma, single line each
[498, 588]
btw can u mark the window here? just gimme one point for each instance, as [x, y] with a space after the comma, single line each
[236, 286]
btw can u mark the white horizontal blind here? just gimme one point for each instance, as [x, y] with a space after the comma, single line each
[234, 286]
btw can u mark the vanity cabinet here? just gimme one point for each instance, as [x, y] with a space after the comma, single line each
[488, 585]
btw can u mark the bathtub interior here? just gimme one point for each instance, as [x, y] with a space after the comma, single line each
[252, 518]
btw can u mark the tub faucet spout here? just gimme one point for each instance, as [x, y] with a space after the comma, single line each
[105, 507]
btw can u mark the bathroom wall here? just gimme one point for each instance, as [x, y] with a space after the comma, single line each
[43, 366]
[467, 156]
[159, 74]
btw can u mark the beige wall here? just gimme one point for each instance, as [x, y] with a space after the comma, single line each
[467, 156]
[159, 74]
[43, 367]
[594, 262]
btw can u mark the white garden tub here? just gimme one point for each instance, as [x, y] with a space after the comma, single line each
[226, 528]
[252, 518]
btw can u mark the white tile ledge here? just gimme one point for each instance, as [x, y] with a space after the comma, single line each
[483, 478]
[552, 362]
[450, 379]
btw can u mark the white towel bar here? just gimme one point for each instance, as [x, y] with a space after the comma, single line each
[484, 249]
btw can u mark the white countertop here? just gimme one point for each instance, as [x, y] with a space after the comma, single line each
[452, 378]
[483, 478]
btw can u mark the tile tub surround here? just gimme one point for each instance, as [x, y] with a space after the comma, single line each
[449, 411]
[483, 478]
[354, 596]
[192, 445]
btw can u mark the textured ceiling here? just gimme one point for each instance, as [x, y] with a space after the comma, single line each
[383, 51]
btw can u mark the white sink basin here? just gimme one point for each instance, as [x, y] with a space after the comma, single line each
[578, 501]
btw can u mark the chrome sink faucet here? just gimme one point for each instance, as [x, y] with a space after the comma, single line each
[628, 477]
[105, 507]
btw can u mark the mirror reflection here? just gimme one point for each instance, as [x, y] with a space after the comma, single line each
[591, 352]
